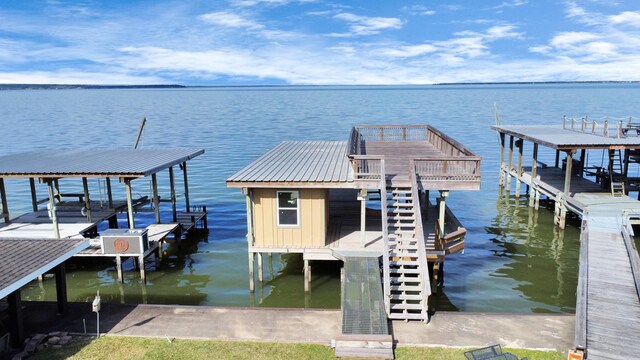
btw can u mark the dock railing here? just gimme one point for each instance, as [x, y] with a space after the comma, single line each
[447, 168]
[392, 132]
[367, 167]
[422, 252]
[386, 271]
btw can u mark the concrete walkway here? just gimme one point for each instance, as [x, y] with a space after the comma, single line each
[450, 329]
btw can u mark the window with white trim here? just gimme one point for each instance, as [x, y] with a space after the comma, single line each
[288, 208]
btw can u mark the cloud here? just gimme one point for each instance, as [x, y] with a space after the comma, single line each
[410, 51]
[229, 19]
[249, 3]
[419, 10]
[631, 18]
[511, 4]
[73, 76]
[364, 25]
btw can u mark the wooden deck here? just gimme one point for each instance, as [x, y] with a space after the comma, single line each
[608, 312]
[398, 155]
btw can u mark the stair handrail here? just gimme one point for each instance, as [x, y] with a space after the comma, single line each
[422, 252]
[386, 271]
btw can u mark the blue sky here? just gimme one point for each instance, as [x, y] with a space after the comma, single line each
[249, 42]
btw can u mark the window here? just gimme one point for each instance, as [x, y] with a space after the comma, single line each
[287, 208]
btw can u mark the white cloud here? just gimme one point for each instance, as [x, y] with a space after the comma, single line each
[229, 19]
[631, 18]
[511, 4]
[72, 76]
[410, 51]
[420, 10]
[364, 25]
[567, 39]
[249, 3]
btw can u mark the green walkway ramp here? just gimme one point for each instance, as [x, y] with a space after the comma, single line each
[365, 329]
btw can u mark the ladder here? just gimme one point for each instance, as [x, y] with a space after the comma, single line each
[616, 173]
[409, 285]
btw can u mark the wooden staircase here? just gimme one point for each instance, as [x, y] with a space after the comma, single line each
[616, 173]
[406, 270]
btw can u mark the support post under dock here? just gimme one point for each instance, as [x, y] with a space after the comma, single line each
[520, 145]
[3, 201]
[172, 183]
[52, 210]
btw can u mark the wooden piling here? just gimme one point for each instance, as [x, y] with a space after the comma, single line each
[34, 195]
[260, 271]
[307, 276]
[510, 164]
[252, 286]
[119, 269]
[502, 164]
[156, 198]
[520, 145]
[172, 183]
[3, 200]
[143, 270]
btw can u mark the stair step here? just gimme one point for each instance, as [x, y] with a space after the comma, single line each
[404, 263]
[404, 271]
[405, 306]
[401, 211]
[403, 280]
[406, 297]
[404, 254]
[416, 288]
[408, 316]
[402, 218]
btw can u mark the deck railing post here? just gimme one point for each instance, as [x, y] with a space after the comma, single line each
[564, 121]
[186, 185]
[156, 199]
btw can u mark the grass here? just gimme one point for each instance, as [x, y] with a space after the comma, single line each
[117, 347]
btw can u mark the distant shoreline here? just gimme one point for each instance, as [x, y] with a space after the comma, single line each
[176, 86]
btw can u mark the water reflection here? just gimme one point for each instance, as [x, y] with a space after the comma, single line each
[540, 258]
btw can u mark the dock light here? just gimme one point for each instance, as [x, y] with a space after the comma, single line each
[96, 309]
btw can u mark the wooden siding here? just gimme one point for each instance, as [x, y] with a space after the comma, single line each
[313, 220]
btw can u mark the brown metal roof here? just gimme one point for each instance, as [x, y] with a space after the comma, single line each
[93, 162]
[554, 136]
[25, 259]
[303, 163]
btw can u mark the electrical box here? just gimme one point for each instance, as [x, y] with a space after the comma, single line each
[124, 241]
[96, 304]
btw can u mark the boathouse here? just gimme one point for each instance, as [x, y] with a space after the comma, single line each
[608, 292]
[82, 215]
[364, 201]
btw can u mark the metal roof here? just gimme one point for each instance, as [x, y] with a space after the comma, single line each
[554, 136]
[25, 259]
[302, 163]
[93, 162]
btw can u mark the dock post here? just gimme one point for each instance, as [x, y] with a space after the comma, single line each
[173, 195]
[502, 164]
[186, 185]
[119, 269]
[260, 272]
[510, 164]
[127, 187]
[538, 192]
[109, 193]
[534, 170]
[143, 270]
[87, 201]
[3, 200]
[156, 200]
[442, 207]
[61, 289]
[363, 220]
[205, 223]
[16, 322]
[34, 195]
[307, 276]
[520, 145]
[270, 260]
[52, 210]
[252, 285]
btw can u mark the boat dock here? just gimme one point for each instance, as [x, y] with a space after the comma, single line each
[361, 201]
[608, 293]
[76, 215]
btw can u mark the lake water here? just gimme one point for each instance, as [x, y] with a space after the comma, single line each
[515, 260]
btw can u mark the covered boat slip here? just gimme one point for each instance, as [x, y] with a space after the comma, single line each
[77, 215]
[25, 259]
[608, 294]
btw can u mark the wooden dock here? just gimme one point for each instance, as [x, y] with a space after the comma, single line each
[608, 305]
[608, 294]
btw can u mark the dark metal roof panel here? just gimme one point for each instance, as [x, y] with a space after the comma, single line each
[25, 259]
[554, 136]
[299, 161]
[93, 162]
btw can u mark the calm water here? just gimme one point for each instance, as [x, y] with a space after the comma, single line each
[515, 259]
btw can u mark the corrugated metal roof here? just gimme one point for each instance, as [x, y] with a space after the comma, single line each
[556, 137]
[300, 162]
[23, 260]
[93, 162]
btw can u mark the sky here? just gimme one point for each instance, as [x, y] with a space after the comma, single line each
[313, 42]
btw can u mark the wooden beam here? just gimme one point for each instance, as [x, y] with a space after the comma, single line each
[363, 221]
[61, 289]
[534, 170]
[34, 194]
[510, 163]
[16, 319]
[119, 269]
[567, 175]
[52, 209]
[307, 276]
[442, 210]
[172, 183]
[260, 270]
[130, 217]
[109, 193]
[87, 201]
[3, 200]
[186, 185]
[252, 285]
[520, 145]
[156, 199]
